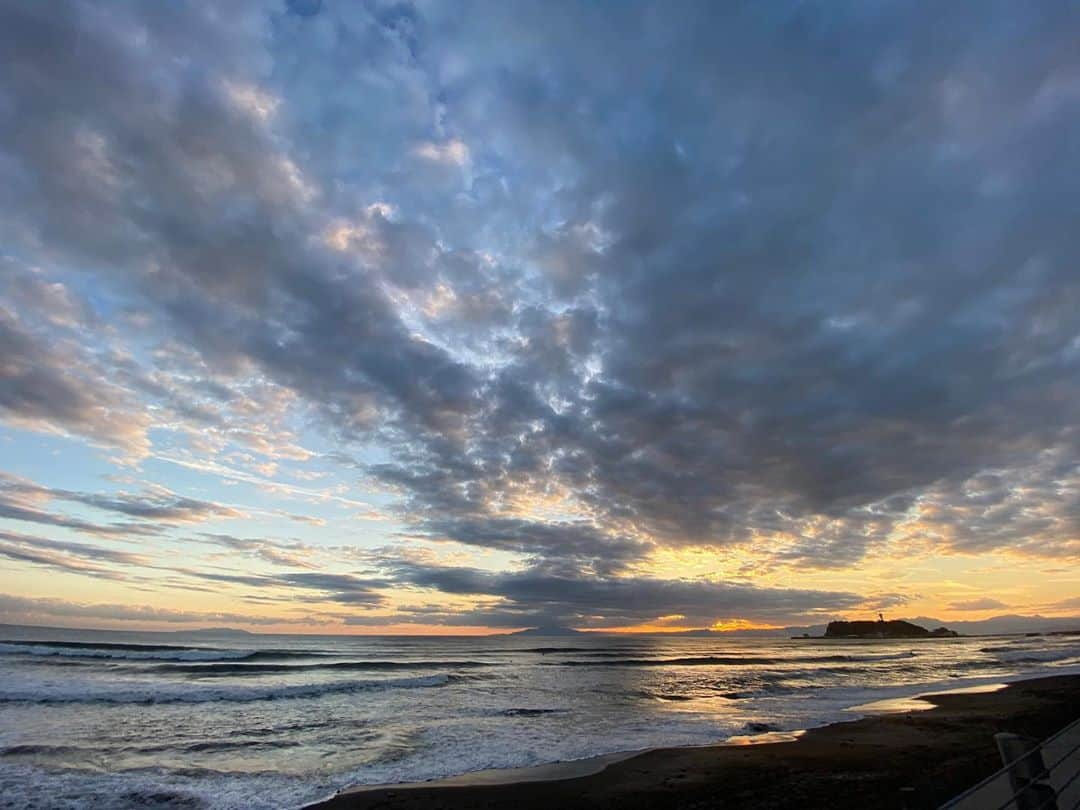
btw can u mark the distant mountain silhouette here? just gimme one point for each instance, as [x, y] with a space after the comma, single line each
[216, 632]
[548, 630]
[1008, 624]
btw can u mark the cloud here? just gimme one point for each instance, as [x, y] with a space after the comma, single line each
[159, 504]
[790, 350]
[225, 242]
[292, 555]
[536, 596]
[150, 510]
[571, 287]
[78, 549]
[54, 386]
[1072, 603]
[78, 558]
[985, 603]
[28, 610]
[342, 588]
[1029, 509]
[14, 509]
[574, 543]
[452, 152]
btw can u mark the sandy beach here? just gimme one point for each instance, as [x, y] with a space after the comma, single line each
[901, 759]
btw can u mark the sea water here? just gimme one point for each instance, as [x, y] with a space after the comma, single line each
[146, 720]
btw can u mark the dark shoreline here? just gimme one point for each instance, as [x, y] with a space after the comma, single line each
[902, 760]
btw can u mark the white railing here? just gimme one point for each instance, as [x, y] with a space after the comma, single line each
[1036, 776]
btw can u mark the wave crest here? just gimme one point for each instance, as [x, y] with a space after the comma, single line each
[49, 693]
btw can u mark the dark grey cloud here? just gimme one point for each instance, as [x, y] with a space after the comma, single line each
[578, 545]
[342, 588]
[536, 596]
[831, 263]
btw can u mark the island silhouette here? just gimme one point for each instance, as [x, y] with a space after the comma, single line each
[895, 628]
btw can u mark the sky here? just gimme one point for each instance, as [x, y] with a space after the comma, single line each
[467, 317]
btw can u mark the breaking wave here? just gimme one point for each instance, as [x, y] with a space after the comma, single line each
[58, 693]
[735, 661]
[244, 669]
[145, 652]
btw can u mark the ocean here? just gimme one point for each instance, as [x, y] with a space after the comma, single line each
[158, 720]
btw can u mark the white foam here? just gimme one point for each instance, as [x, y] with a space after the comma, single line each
[178, 654]
[1067, 654]
[121, 691]
[28, 787]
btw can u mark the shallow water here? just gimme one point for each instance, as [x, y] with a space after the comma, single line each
[173, 720]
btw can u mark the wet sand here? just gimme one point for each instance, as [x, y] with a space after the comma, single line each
[900, 759]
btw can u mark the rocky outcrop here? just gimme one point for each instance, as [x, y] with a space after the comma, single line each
[944, 632]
